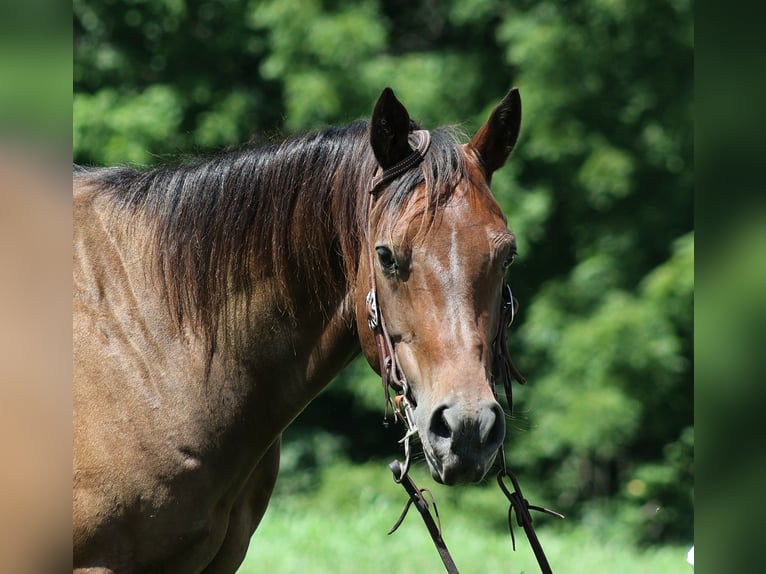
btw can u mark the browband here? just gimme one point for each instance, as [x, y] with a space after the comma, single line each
[417, 155]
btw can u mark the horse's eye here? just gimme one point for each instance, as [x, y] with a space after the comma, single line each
[386, 258]
[509, 260]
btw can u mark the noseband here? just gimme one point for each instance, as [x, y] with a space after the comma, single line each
[393, 379]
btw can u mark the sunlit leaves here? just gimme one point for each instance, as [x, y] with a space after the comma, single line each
[124, 128]
[606, 175]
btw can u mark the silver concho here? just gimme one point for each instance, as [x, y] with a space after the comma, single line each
[373, 315]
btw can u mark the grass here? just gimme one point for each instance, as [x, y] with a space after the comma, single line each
[340, 527]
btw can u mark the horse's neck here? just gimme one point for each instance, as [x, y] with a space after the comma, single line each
[336, 346]
[284, 361]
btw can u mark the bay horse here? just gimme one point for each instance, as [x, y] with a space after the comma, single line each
[213, 301]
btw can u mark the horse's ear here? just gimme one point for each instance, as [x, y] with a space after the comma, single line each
[496, 138]
[389, 129]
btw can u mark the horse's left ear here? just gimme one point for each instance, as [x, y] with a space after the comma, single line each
[496, 138]
[389, 129]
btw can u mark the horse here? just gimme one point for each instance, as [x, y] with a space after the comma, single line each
[212, 301]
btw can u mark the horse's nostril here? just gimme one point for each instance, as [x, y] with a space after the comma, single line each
[439, 425]
[493, 429]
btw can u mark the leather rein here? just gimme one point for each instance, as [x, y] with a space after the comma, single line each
[402, 404]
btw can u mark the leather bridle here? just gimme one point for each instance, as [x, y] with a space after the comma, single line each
[392, 376]
[402, 405]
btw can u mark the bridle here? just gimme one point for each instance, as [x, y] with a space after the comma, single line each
[392, 376]
[394, 380]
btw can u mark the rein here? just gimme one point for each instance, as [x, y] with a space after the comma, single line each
[393, 379]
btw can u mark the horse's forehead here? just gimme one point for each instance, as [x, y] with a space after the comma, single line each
[471, 217]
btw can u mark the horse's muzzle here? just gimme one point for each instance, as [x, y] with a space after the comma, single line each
[461, 442]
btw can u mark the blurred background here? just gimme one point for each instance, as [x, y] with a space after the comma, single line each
[598, 192]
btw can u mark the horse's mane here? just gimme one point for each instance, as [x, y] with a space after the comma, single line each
[294, 212]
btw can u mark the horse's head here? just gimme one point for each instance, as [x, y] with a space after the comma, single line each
[439, 248]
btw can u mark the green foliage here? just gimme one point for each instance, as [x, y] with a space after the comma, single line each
[662, 489]
[618, 384]
[598, 192]
[122, 128]
[305, 452]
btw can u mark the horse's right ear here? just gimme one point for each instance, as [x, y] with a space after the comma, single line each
[389, 129]
[496, 138]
